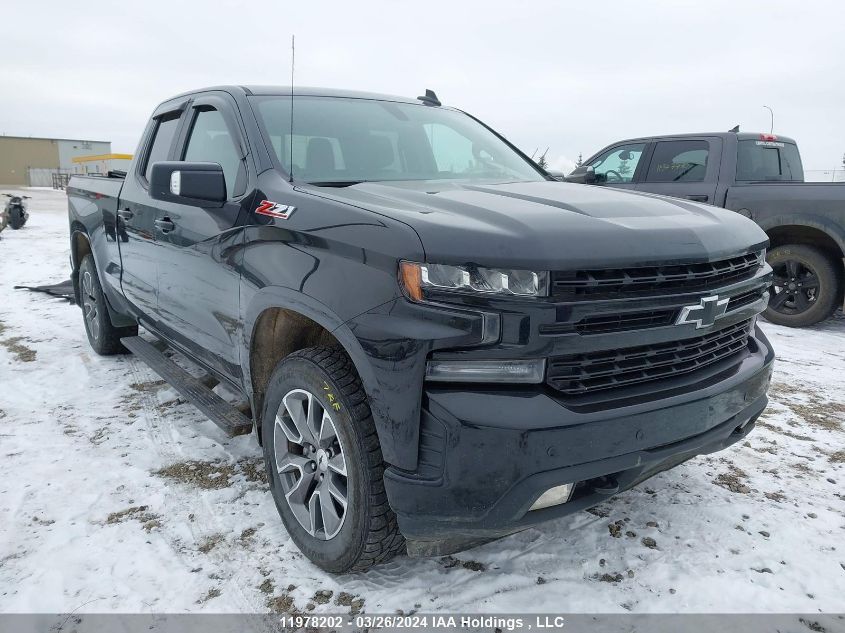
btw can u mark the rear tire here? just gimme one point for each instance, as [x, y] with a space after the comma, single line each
[807, 285]
[16, 219]
[324, 462]
[102, 335]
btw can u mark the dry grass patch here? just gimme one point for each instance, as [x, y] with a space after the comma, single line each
[732, 480]
[148, 519]
[355, 603]
[819, 413]
[214, 475]
[205, 475]
[23, 354]
[210, 542]
[776, 429]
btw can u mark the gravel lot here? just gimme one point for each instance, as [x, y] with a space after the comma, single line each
[115, 496]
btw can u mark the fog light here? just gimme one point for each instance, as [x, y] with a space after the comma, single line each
[522, 371]
[553, 497]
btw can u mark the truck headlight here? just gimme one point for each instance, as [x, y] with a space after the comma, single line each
[416, 279]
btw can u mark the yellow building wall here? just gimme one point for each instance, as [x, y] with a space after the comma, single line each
[16, 154]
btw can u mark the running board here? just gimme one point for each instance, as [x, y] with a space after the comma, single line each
[215, 408]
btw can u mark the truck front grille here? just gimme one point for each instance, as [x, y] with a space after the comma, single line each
[634, 319]
[624, 321]
[647, 280]
[586, 373]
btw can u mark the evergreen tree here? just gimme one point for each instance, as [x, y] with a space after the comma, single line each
[542, 163]
[580, 160]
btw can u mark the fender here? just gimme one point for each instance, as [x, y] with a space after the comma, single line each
[118, 318]
[290, 299]
[823, 224]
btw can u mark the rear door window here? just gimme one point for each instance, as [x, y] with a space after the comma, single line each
[162, 141]
[679, 161]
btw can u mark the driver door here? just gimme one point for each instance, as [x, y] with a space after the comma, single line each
[198, 278]
[619, 166]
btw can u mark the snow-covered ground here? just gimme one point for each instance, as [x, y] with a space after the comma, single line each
[117, 497]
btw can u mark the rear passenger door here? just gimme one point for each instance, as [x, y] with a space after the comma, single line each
[135, 225]
[198, 280]
[684, 168]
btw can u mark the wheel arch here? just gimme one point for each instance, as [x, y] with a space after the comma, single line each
[806, 229]
[80, 246]
[280, 321]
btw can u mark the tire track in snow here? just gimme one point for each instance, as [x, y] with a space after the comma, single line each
[164, 435]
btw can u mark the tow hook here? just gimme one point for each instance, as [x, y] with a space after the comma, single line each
[605, 485]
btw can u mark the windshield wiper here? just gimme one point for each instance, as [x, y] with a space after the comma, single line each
[336, 183]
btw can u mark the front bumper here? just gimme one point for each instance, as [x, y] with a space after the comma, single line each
[487, 454]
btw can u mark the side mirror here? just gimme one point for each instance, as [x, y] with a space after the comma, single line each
[557, 175]
[195, 184]
[582, 175]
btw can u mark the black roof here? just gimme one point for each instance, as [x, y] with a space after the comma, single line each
[742, 136]
[301, 91]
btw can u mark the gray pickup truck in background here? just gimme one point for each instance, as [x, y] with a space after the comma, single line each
[761, 177]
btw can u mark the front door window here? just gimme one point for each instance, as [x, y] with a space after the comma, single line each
[618, 165]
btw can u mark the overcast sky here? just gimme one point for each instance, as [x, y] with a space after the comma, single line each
[572, 77]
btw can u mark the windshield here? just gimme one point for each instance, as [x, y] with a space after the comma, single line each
[338, 141]
[768, 160]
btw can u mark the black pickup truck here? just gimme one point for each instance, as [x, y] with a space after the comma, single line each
[435, 342]
[761, 177]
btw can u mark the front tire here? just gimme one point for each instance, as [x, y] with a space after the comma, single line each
[324, 462]
[103, 336]
[806, 288]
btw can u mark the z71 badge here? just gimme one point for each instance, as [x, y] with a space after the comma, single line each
[275, 210]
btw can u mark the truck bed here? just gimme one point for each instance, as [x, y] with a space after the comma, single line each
[772, 199]
[89, 194]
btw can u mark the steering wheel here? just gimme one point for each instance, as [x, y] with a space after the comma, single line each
[616, 174]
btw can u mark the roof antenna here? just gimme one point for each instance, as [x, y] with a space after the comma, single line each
[430, 98]
[734, 129]
[292, 59]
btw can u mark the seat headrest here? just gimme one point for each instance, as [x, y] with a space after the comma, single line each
[319, 157]
[379, 152]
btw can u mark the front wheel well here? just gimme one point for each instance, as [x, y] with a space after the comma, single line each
[807, 235]
[279, 332]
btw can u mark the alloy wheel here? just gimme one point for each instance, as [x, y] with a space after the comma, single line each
[89, 305]
[311, 464]
[795, 287]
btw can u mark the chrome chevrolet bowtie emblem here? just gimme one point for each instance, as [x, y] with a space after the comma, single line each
[705, 313]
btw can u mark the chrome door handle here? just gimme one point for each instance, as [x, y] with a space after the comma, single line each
[165, 225]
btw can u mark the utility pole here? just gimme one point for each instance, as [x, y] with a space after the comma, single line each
[771, 112]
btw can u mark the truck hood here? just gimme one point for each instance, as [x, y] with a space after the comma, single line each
[554, 225]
